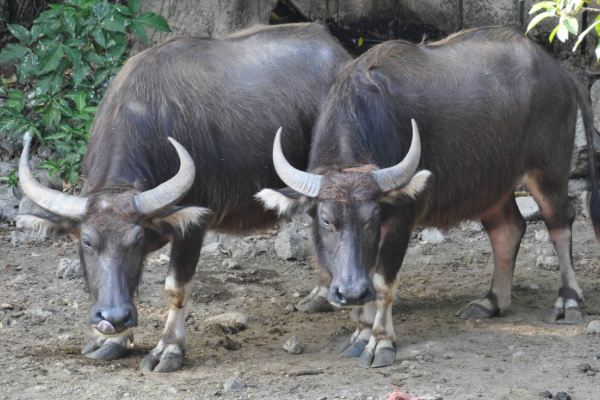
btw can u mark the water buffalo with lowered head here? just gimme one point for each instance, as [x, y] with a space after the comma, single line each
[490, 109]
[222, 100]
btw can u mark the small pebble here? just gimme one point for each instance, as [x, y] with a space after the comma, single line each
[290, 307]
[546, 394]
[562, 396]
[593, 327]
[583, 368]
[293, 345]
[232, 384]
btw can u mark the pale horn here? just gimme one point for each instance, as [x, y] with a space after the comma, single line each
[51, 200]
[302, 182]
[400, 174]
[169, 193]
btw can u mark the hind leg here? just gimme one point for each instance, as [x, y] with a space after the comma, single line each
[505, 227]
[558, 214]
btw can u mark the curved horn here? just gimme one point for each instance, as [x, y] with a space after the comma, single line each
[51, 200]
[400, 174]
[170, 192]
[302, 182]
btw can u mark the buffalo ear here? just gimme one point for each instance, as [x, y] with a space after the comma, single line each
[46, 225]
[178, 218]
[286, 201]
[412, 189]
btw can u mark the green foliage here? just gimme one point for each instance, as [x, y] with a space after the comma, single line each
[565, 11]
[74, 50]
[11, 178]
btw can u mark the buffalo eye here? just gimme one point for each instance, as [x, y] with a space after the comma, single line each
[139, 239]
[86, 243]
[324, 221]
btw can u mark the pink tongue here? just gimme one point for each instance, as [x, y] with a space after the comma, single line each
[106, 327]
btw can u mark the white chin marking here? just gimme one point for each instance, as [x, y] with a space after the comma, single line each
[112, 335]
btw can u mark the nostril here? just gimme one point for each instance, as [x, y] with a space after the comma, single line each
[363, 298]
[340, 297]
[127, 321]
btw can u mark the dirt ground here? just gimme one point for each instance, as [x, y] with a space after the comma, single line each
[516, 356]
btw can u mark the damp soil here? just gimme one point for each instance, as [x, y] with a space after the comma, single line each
[516, 356]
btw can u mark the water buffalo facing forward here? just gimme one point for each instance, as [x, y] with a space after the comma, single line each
[493, 110]
[222, 100]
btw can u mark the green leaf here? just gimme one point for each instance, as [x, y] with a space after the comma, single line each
[138, 29]
[36, 32]
[115, 23]
[48, 164]
[51, 59]
[538, 18]
[7, 124]
[584, 33]
[56, 136]
[52, 117]
[101, 9]
[95, 58]
[118, 50]
[13, 51]
[43, 84]
[553, 33]
[123, 10]
[100, 76]
[80, 100]
[90, 110]
[80, 72]
[20, 32]
[542, 4]
[571, 24]
[16, 94]
[562, 33]
[48, 15]
[55, 83]
[73, 54]
[99, 36]
[74, 177]
[155, 21]
[75, 42]
[134, 5]
[82, 116]
[29, 66]
[69, 25]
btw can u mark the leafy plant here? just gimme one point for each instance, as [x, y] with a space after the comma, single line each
[11, 179]
[565, 11]
[73, 50]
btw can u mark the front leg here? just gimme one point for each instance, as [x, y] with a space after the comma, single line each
[168, 354]
[380, 351]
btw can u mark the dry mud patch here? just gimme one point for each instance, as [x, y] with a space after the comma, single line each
[516, 356]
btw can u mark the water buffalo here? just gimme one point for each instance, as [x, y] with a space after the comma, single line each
[219, 99]
[490, 110]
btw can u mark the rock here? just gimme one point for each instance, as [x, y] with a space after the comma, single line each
[212, 249]
[25, 237]
[232, 384]
[593, 327]
[549, 263]
[585, 210]
[432, 235]
[528, 208]
[27, 206]
[231, 264]
[6, 168]
[576, 186]
[44, 152]
[10, 144]
[583, 368]
[9, 203]
[290, 307]
[239, 248]
[471, 226]
[291, 245]
[579, 164]
[542, 236]
[229, 319]
[210, 237]
[69, 269]
[562, 396]
[546, 394]
[293, 345]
